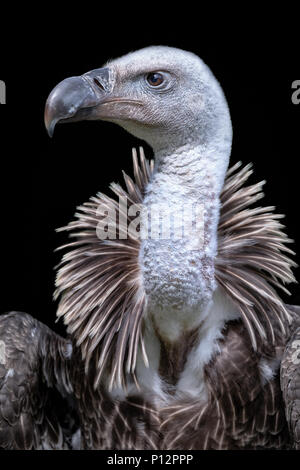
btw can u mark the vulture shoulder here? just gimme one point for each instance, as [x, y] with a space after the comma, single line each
[290, 380]
[36, 409]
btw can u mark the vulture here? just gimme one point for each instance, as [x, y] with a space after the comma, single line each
[177, 337]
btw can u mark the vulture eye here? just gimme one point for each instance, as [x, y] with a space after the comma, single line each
[155, 78]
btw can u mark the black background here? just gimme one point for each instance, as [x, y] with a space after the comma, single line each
[43, 180]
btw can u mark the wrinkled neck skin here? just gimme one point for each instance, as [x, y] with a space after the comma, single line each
[178, 269]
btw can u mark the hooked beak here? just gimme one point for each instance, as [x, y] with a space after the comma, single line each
[77, 98]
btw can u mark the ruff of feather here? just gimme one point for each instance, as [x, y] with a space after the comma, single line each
[99, 281]
[102, 300]
[252, 258]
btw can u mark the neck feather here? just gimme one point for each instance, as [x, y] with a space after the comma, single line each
[191, 170]
[178, 272]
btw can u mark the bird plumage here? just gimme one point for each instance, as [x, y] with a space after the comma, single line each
[242, 411]
[35, 389]
[172, 344]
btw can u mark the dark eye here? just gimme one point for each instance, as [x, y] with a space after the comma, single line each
[155, 78]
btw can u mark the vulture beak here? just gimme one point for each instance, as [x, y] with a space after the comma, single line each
[77, 98]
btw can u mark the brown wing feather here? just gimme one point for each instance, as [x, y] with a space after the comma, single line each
[290, 381]
[33, 377]
[240, 413]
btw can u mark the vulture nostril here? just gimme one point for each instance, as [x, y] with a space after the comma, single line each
[96, 81]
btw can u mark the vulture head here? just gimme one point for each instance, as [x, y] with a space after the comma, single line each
[165, 96]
